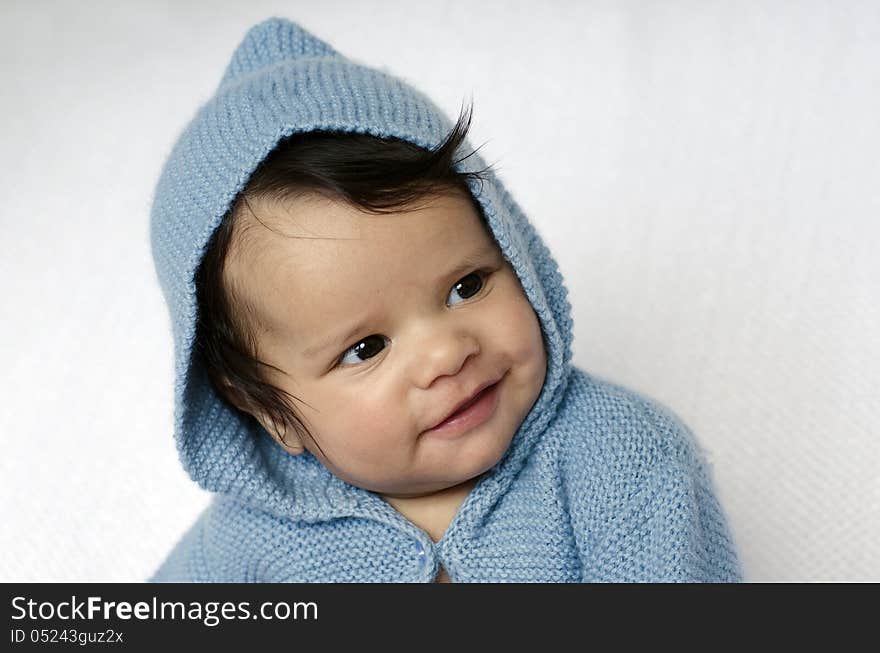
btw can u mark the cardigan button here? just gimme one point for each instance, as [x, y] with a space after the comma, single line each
[421, 555]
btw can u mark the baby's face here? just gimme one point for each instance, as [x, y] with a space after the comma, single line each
[384, 324]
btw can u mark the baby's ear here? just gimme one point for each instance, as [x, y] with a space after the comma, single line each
[291, 442]
[234, 396]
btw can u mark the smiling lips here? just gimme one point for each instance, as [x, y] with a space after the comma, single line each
[470, 413]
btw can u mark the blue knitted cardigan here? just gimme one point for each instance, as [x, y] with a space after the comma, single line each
[599, 483]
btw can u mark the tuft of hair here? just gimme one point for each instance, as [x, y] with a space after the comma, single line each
[377, 175]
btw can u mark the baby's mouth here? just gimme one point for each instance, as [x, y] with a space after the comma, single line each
[464, 408]
[476, 398]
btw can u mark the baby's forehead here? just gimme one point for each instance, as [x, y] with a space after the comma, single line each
[312, 248]
[258, 221]
[309, 222]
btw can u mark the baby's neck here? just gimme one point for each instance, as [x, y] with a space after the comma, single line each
[433, 512]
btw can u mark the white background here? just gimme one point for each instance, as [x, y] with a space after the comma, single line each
[706, 174]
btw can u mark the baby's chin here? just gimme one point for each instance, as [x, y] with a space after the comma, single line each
[404, 488]
[418, 493]
[432, 480]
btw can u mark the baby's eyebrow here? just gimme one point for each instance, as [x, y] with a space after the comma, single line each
[471, 261]
[311, 352]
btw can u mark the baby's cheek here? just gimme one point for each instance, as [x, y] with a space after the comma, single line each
[371, 422]
[519, 330]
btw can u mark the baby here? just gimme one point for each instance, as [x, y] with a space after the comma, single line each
[373, 351]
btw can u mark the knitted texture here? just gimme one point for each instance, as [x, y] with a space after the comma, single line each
[599, 483]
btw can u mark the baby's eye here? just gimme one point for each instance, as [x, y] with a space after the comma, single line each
[368, 347]
[466, 287]
[470, 285]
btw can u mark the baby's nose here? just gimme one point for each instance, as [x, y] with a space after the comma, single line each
[447, 354]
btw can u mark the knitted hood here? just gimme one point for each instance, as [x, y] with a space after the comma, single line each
[283, 80]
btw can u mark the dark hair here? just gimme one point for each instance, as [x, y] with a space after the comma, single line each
[376, 175]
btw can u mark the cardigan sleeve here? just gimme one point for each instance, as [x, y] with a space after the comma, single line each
[648, 512]
[229, 542]
[186, 562]
[672, 531]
